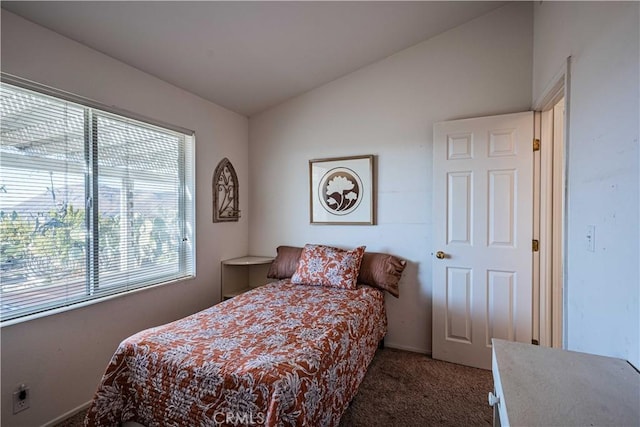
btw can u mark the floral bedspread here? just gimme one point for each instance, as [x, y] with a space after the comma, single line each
[282, 354]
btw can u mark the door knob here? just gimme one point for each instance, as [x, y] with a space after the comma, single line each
[440, 255]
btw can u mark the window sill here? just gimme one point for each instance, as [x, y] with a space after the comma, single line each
[83, 304]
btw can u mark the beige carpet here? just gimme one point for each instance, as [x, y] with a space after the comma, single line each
[410, 389]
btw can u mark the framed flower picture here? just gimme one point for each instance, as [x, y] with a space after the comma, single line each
[342, 190]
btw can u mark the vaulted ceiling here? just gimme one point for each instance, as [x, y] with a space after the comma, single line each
[249, 56]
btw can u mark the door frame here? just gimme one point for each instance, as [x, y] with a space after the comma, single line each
[550, 189]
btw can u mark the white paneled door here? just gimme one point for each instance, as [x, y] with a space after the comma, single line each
[483, 227]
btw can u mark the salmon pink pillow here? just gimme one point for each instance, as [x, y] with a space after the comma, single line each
[327, 266]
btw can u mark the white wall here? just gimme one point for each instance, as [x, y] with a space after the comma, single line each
[62, 357]
[388, 109]
[602, 310]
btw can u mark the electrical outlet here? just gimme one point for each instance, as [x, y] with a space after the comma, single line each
[21, 399]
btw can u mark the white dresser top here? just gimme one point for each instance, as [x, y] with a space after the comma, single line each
[551, 387]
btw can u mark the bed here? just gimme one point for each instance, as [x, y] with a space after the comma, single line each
[291, 352]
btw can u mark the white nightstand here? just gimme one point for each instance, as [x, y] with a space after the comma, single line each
[238, 275]
[541, 386]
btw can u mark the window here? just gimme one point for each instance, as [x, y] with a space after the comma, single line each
[91, 203]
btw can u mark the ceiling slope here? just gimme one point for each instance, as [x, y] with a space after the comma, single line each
[248, 56]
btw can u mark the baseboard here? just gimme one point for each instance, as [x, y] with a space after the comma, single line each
[406, 348]
[68, 414]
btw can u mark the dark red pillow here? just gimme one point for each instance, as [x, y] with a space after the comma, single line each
[382, 271]
[285, 263]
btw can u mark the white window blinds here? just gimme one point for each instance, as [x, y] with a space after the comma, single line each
[91, 203]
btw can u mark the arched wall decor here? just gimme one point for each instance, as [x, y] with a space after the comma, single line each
[225, 193]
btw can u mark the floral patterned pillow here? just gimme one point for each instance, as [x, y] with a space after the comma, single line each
[326, 266]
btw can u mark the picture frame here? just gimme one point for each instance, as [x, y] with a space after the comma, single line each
[342, 190]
